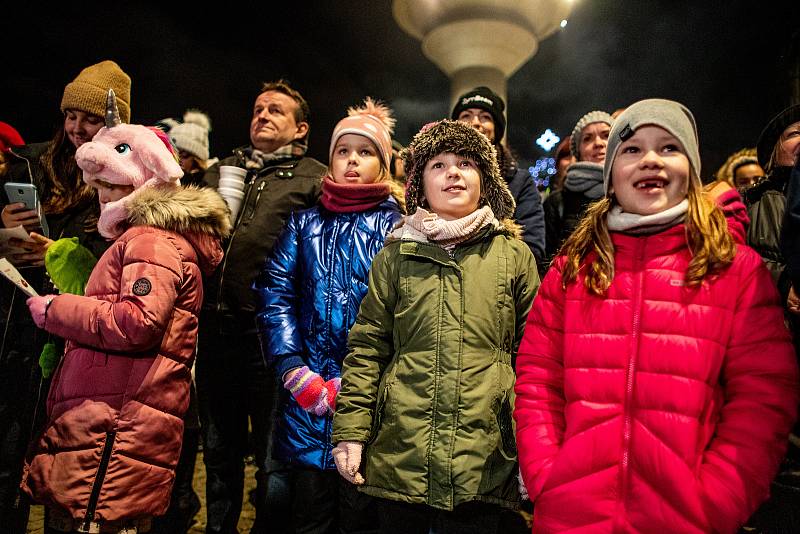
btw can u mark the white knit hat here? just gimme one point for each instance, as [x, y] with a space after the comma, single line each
[192, 135]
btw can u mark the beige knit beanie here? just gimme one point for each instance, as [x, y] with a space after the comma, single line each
[88, 91]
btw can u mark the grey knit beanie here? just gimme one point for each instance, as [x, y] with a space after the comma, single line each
[583, 122]
[192, 135]
[668, 114]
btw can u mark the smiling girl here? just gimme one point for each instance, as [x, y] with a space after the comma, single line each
[427, 385]
[309, 293]
[656, 382]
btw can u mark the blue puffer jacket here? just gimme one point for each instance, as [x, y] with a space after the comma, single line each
[309, 293]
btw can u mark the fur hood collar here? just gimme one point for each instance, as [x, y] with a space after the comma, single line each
[199, 214]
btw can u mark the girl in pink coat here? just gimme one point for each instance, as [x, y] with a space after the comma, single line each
[656, 382]
[106, 459]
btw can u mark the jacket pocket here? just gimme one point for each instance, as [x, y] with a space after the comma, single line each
[505, 405]
[384, 386]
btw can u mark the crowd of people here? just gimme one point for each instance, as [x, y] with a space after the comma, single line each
[406, 339]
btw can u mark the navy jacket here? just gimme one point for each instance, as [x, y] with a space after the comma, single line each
[309, 293]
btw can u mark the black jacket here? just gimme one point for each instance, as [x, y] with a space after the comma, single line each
[790, 238]
[766, 205]
[271, 195]
[529, 213]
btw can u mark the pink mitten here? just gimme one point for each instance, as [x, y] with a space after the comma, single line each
[308, 389]
[333, 386]
[38, 308]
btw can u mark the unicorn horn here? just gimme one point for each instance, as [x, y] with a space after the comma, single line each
[112, 113]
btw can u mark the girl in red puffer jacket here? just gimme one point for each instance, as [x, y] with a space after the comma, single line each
[656, 382]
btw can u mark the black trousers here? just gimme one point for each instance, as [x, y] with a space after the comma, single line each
[324, 503]
[468, 518]
[234, 388]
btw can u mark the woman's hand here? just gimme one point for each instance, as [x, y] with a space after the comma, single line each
[16, 215]
[38, 308]
[347, 456]
[35, 249]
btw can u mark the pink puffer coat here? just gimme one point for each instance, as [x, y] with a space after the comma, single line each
[115, 407]
[659, 408]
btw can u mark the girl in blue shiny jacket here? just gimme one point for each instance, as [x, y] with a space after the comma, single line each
[309, 293]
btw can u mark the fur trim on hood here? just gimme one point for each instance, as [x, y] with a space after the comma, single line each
[199, 214]
[191, 209]
[463, 140]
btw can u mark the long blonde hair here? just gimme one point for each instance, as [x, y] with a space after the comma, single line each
[707, 236]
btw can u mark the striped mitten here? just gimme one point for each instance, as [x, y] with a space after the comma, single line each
[309, 390]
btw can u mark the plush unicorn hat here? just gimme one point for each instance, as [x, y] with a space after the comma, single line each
[126, 154]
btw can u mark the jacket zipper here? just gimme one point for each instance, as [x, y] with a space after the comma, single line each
[630, 381]
[98, 481]
[239, 221]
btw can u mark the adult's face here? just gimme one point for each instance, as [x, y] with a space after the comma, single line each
[789, 148]
[593, 142]
[273, 124]
[480, 119]
[80, 126]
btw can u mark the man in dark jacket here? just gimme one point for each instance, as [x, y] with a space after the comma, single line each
[233, 382]
[483, 109]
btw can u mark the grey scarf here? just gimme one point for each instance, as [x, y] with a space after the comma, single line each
[631, 223]
[585, 177]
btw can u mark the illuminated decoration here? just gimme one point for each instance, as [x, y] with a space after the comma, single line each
[564, 23]
[548, 140]
[543, 170]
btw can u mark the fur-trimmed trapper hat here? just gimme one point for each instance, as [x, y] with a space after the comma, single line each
[463, 140]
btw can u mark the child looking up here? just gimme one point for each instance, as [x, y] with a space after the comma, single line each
[309, 293]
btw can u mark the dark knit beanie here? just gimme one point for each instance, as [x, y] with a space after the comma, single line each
[88, 91]
[485, 99]
[772, 132]
[463, 140]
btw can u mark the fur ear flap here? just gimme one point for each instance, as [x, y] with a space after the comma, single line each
[157, 158]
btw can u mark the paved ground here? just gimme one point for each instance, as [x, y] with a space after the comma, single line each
[36, 523]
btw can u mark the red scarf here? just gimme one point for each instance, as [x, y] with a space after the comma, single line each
[347, 198]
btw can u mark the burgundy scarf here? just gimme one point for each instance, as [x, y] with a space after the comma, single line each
[347, 198]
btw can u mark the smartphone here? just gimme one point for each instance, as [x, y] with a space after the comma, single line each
[27, 194]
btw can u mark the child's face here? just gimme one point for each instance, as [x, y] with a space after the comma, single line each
[593, 142]
[451, 185]
[650, 172]
[355, 160]
[108, 192]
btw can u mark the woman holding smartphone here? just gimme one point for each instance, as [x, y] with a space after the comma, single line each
[71, 210]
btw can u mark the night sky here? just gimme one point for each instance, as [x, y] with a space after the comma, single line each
[725, 60]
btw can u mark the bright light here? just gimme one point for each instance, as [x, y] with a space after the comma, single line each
[548, 140]
[564, 23]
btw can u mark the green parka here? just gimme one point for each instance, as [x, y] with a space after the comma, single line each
[428, 381]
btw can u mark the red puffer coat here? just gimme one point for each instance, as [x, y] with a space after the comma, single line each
[659, 408]
[115, 407]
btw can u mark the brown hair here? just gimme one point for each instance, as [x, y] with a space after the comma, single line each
[63, 187]
[707, 237]
[282, 86]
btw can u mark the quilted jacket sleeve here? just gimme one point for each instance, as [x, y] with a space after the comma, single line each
[539, 407]
[760, 386]
[370, 349]
[151, 272]
[277, 297]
